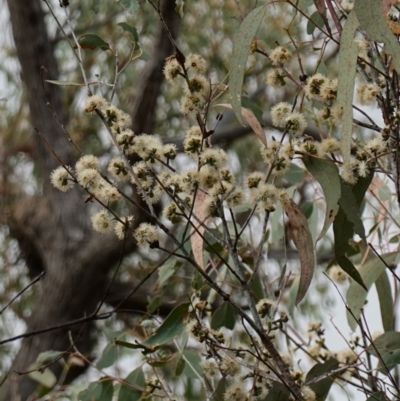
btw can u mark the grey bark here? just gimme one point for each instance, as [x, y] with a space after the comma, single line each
[53, 231]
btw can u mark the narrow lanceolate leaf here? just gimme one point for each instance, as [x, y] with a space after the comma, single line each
[370, 16]
[301, 236]
[384, 291]
[356, 295]
[197, 229]
[241, 49]
[347, 222]
[92, 42]
[327, 175]
[347, 73]
[170, 328]
[252, 120]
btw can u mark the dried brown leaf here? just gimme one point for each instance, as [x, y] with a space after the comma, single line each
[300, 233]
[251, 119]
[197, 229]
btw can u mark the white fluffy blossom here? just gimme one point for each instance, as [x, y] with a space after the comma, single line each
[61, 179]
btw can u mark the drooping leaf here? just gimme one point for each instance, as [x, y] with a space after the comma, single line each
[348, 52]
[170, 327]
[343, 228]
[300, 234]
[92, 42]
[134, 392]
[384, 291]
[224, 316]
[356, 296]
[327, 175]
[387, 346]
[197, 229]
[321, 387]
[351, 208]
[370, 16]
[241, 48]
[221, 388]
[252, 120]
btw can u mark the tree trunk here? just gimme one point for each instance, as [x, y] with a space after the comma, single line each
[54, 230]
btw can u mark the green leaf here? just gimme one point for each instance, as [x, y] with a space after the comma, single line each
[179, 7]
[64, 83]
[166, 271]
[92, 42]
[348, 203]
[169, 329]
[161, 362]
[108, 357]
[307, 209]
[314, 21]
[180, 367]
[224, 316]
[348, 52]
[378, 396]
[370, 16]
[130, 29]
[248, 104]
[321, 387]
[304, 4]
[134, 392]
[46, 378]
[47, 357]
[278, 392]
[343, 228]
[93, 392]
[385, 301]
[110, 352]
[125, 344]
[241, 47]
[129, 5]
[369, 272]
[195, 361]
[107, 390]
[221, 388]
[327, 175]
[388, 347]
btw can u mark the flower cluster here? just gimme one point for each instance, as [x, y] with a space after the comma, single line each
[196, 87]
